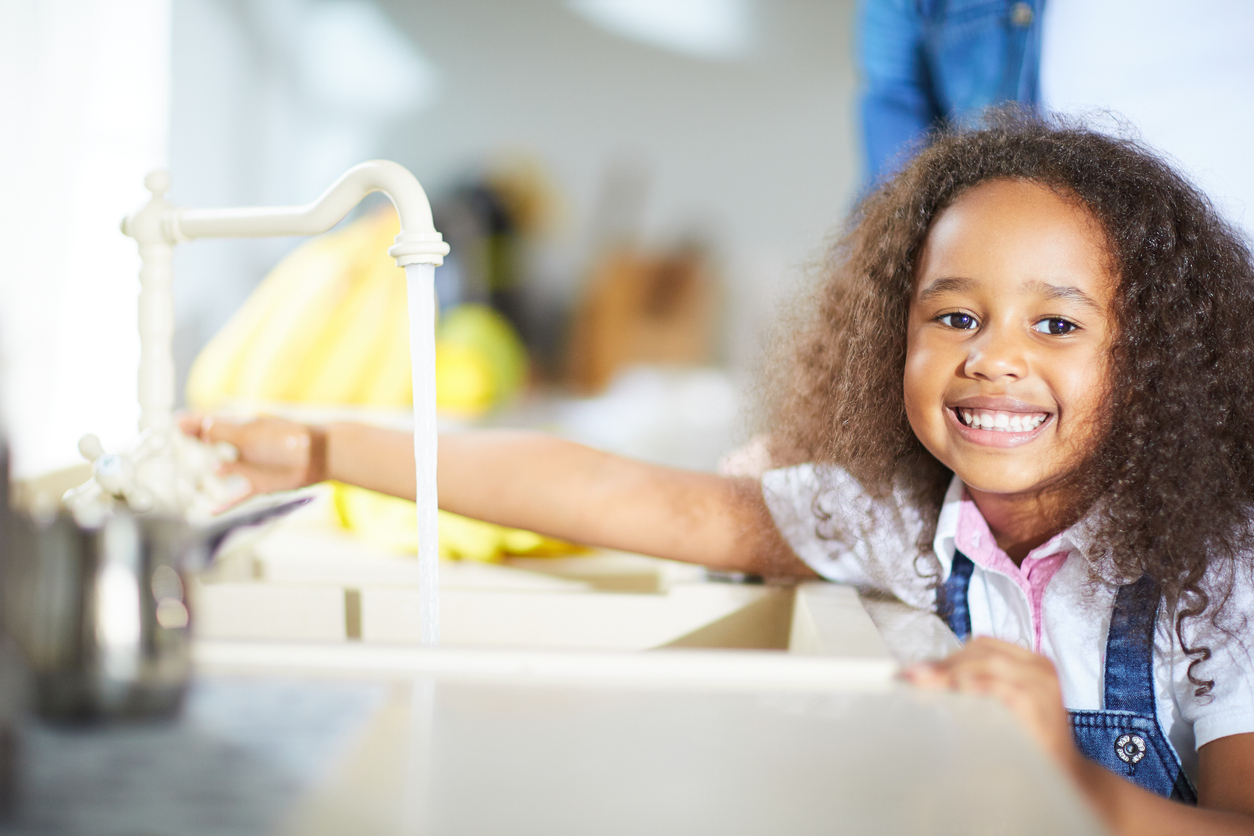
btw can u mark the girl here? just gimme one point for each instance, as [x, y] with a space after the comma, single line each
[1022, 397]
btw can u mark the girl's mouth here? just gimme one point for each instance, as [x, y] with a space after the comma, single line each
[1001, 422]
[996, 427]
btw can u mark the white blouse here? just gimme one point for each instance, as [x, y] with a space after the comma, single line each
[848, 537]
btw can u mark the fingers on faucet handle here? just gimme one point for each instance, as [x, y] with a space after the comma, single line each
[288, 451]
[218, 429]
[190, 423]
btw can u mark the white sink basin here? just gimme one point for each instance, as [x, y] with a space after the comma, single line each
[298, 584]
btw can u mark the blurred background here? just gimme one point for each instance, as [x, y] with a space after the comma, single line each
[630, 187]
[668, 165]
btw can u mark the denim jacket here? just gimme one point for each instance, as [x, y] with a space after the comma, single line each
[928, 63]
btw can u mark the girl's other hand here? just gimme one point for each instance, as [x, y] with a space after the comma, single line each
[1023, 681]
[1027, 684]
[274, 454]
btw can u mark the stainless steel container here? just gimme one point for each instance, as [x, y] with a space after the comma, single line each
[100, 609]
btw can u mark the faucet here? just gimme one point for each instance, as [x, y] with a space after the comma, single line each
[168, 472]
[164, 470]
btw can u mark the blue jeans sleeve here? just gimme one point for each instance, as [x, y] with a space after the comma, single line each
[897, 102]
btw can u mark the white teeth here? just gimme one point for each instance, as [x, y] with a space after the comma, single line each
[997, 421]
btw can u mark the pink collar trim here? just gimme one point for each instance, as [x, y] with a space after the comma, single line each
[974, 539]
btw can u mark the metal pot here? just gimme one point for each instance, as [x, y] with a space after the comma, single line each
[100, 607]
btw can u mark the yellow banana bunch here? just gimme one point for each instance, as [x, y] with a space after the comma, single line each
[392, 524]
[321, 328]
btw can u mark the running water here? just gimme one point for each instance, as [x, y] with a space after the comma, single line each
[420, 279]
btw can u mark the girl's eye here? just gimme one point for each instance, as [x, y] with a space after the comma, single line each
[961, 321]
[1055, 326]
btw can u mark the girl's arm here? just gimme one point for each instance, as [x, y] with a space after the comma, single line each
[527, 480]
[1225, 794]
[567, 490]
[1028, 685]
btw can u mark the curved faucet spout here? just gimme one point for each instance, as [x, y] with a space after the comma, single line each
[418, 242]
[158, 226]
[156, 471]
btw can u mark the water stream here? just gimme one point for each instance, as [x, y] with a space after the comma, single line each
[420, 279]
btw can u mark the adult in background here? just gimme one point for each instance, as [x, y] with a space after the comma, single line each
[1180, 74]
[928, 63]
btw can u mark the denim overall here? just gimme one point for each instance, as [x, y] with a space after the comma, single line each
[1125, 737]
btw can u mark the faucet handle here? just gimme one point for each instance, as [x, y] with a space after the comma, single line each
[90, 448]
[157, 182]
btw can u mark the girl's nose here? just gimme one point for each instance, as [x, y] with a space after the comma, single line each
[995, 355]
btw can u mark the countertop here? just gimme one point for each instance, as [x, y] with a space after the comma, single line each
[356, 738]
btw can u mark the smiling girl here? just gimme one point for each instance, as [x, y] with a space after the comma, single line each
[1024, 398]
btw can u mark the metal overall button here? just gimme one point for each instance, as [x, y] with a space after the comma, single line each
[1021, 14]
[1130, 748]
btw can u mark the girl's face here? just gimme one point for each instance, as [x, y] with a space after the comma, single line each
[1007, 344]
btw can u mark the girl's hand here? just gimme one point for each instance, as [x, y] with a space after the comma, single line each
[1023, 681]
[1027, 684]
[274, 454]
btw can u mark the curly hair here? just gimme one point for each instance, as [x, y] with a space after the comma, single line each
[1168, 489]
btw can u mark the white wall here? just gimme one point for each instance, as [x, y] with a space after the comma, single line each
[85, 92]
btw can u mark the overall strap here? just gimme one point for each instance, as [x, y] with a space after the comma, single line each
[951, 597]
[1130, 649]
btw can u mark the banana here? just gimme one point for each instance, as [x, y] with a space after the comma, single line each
[211, 381]
[389, 381]
[254, 355]
[392, 524]
[294, 330]
[357, 336]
